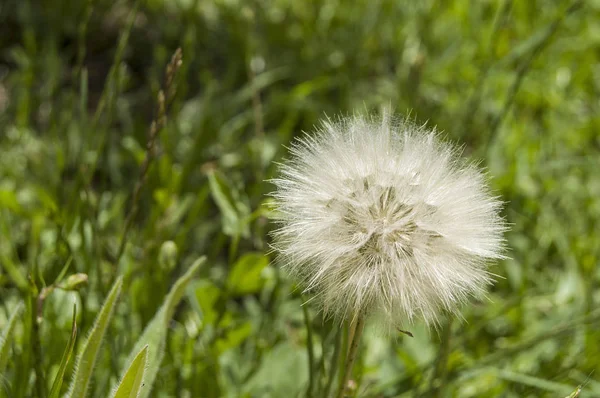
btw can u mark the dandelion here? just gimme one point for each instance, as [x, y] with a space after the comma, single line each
[379, 217]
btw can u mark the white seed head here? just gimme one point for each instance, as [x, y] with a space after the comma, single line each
[380, 217]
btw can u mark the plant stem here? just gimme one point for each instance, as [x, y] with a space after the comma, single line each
[438, 379]
[335, 357]
[355, 332]
[40, 383]
[310, 349]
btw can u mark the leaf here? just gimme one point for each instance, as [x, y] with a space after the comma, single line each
[12, 269]
[58, 380]
[5, 337]
[206, 295]
[259, 83]
[8, 200]
[575, 394]
[91, 347]
[156, 332]
[281, 373]
[234, 337]
[131, 383]
[233, 211]
[535, 382]
[245, 276]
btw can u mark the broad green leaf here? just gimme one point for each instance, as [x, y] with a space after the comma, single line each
[245, 276]
[5, 337]
[207, 295]
[131, 383]
[58, 380]
[91, 347]
[156, 332]
[281, 373]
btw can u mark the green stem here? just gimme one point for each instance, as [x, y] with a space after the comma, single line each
[40, 383]
[334, 361]
[311, 353]
[356, 329]
[438, 379]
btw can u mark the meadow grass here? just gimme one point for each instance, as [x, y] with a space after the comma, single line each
[120, 163]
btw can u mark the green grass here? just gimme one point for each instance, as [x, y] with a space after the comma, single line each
[82, 191]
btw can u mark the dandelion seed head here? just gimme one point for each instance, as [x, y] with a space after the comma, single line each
[381, 217]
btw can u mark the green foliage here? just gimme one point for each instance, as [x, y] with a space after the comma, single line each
[5, 337]
[155, 333]
[245, 277]
[91, 347]
[232, 209]
[85, 200]
[58, 380]
[131, 383]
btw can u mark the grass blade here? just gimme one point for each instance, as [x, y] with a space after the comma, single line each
[535, 382]
[5, 337]
[57, 384]
[131, 383]
[156, 332]
[91, 347]
[575, 394]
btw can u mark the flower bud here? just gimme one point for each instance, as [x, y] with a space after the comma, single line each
[73, 282]
[167, 257]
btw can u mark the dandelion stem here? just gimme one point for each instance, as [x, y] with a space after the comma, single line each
[310, 349]
[355, 332]
[335, 357]
[440, 372]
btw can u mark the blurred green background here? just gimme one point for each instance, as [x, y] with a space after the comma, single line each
[517, 83]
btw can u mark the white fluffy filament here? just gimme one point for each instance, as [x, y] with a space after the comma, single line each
[380, 217]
